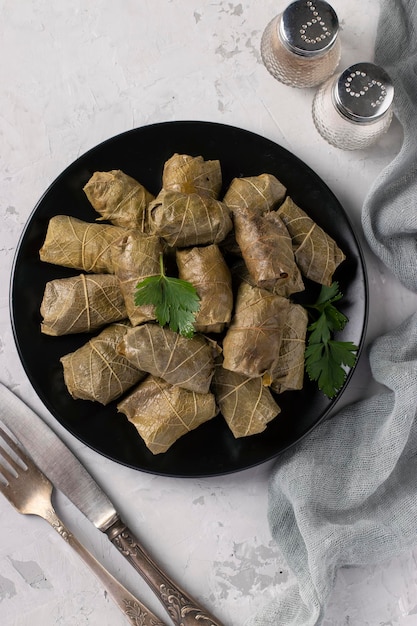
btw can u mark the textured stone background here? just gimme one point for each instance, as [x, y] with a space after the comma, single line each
[73, 74]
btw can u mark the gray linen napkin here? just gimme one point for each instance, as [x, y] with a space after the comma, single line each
[389, 216]
[346, 495]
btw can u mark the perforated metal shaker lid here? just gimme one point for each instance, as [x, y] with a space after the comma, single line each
[363, 92]
[309, 28]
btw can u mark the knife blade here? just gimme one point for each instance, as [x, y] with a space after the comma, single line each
[68, 474]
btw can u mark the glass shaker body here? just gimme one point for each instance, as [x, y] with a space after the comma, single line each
[352, 110]
[300, 47]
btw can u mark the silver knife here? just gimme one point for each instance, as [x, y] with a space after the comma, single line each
[67, 473]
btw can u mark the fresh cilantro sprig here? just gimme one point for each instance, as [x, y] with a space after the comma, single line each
[325, 357]
[176, 301]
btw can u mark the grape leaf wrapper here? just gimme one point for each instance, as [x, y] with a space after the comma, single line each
[205, 268]
[118, 198]
[255, 194]
[188, 174]
[317, 254]
[185, 220]
[245, 403]
[253, 339]
[135, 257]
[81, 304]
[96, 371]
[288, 370]
[71, 242]
[266, 248]
[162, 413]
[188, 363]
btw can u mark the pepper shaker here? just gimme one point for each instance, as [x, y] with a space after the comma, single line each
[352, 110]
[300, 46]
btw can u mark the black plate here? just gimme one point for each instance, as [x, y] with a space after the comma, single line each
[211, 449]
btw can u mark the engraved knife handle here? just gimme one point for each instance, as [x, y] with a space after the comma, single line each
[134, 611]
[183, 610]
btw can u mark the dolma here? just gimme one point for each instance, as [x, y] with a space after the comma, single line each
[135, 256]
[81, 304]
[163, 413]
[288, 370]
[285, 288]
[229, 246]
[74, 243]
[316, 253]
[255, 194]
[266, 248]
[246, 403]
[96, 371]
[252, 342]
[118, 198]
[189, 174]
[187, 363]
[205, 268]
[185, 220]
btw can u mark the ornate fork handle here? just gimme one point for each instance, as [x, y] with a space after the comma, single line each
[183, 610]
[136, 612]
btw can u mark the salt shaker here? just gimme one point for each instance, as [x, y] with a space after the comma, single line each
[300, 46]
[352, 110]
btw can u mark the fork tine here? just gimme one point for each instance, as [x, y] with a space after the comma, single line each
[11, 443]
[30, 493]
[3, 469]
[18, 467]
[4, 485]
[7, 476]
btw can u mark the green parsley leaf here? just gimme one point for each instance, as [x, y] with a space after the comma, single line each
[328, 294]
[176, 301]
[326, 359]
[320, 331]
[324, 304]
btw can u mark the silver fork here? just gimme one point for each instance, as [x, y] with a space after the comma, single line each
[30, 492]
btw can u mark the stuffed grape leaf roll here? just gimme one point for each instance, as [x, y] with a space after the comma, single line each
[246, 403]
[189, 174]
[162, 413]
[316, 253]
[135, 256]
[118, 198]
[267, 250]
[288, 370]
[253, 340]
[185, 220]
[187, 363]
[81, 304]
[74, 243]
[255, 194]
[96, 371]
[205, 268]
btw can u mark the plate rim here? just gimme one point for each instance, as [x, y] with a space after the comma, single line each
[61, 176]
